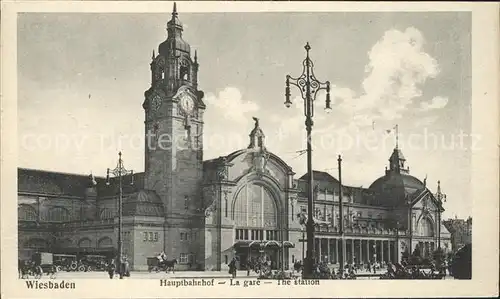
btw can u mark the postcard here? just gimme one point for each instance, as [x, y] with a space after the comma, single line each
[249, 149]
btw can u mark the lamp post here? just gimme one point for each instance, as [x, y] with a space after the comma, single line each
[119, 172]
[440, 196]
[396, 248]
[309, 86]
[341, 215]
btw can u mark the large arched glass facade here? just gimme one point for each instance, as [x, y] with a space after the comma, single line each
[426, 227]
[255, 214]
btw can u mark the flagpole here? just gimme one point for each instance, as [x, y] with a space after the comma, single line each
[397, 136]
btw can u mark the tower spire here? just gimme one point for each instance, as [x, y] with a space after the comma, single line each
[174, 11]
[396, 128]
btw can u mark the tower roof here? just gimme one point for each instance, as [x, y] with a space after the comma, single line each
[174, 21]
[174, 40]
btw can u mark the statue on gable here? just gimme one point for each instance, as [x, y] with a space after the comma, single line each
[257, 155]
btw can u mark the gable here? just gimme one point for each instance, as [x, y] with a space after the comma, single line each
[243, 164]
[425, 200]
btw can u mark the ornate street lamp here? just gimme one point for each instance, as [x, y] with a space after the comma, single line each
[441, 197]
[119, 172]
[309, 87]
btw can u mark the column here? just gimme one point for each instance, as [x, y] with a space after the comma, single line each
[336, 247]
[382, 251]
[368, 251]
[389, 257]
[360, 261]
[396, 252]
[353, 255]
[319, 249]
[329, 254]
[343, 245]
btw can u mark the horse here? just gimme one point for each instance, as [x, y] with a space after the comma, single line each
[29, 268]
[169, 265]
[297, 266]
[25, 269]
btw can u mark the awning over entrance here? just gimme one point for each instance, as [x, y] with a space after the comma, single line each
[272, 244]
[247, 244]
[263, 244]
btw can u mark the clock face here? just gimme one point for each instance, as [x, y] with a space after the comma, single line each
[187, 102]
[155, 102]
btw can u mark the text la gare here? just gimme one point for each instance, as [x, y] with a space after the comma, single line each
[244, 283]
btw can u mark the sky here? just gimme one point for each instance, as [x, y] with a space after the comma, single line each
[82, 77]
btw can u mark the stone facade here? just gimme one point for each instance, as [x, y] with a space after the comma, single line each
[460, 230]
[203, 213]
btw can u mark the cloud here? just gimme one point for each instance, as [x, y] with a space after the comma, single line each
[230, 105]
[425, 121]
[437, 102]
[397, 68]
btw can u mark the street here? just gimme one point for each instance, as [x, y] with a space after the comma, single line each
[163, 275]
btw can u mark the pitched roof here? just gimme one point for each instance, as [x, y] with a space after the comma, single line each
[52, 183]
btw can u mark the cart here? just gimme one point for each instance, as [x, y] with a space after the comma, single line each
[154, 264]
[43, 263]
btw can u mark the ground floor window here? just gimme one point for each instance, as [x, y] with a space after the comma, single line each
[257, 234]
[183, 258]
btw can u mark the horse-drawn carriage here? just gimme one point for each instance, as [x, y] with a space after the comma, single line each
[399, 271]
[40, 263]
[157, 265]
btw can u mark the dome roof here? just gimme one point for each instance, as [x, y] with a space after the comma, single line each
[174, 43]
[143, 203]
[395, 187]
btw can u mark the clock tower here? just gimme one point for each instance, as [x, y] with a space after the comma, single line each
[174, 150]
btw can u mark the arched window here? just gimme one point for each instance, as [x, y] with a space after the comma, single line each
[26, 213]
[105, 242]
[426, 227]
[65, 243]
[255, 207]
[37, 243]
[184, 70]
[106, 214]
[59, 214]
[84, 243]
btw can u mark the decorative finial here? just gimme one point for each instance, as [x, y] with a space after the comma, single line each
[153, 57]
[195, 56]
[307, 47]
[425, 180]
[174, 11]
[256, 121]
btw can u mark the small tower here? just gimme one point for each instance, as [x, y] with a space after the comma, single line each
[257, 136]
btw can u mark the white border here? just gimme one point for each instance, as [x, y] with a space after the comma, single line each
[485, 175]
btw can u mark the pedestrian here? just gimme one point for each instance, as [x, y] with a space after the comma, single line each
[111, 268]
[126, 267]
[232, 267]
